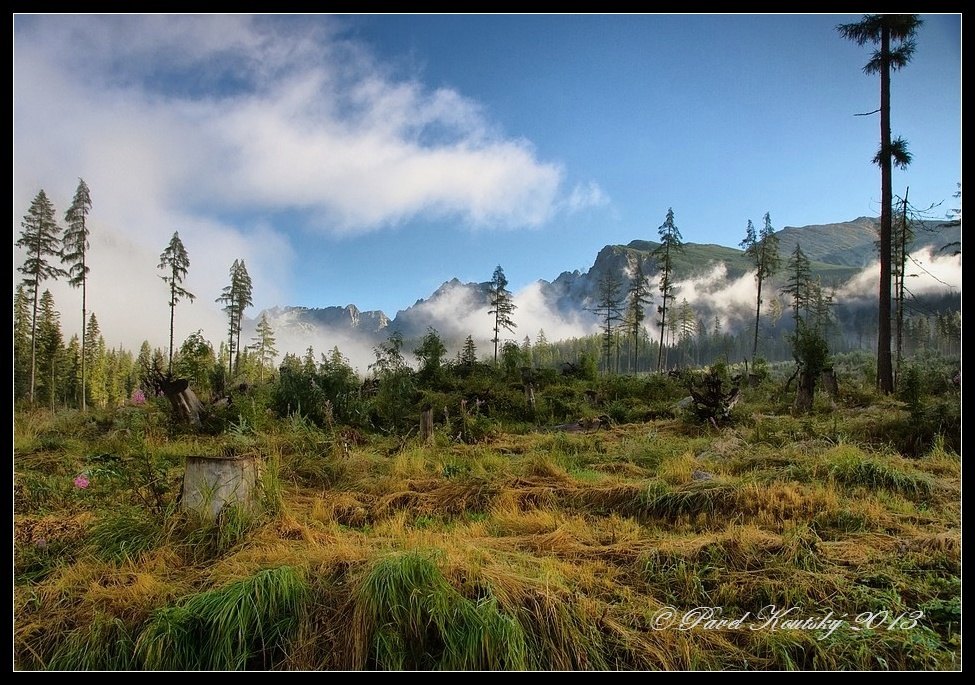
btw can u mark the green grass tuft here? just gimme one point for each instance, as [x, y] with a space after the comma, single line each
[247, 624]
[411, 617]
[104, 645]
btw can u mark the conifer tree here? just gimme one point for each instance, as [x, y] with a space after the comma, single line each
[502, 307]
[236, 297]
[609, 311]
[72, 372]
[637, 299]
[50, 345]
[263, 344]
[176, 263]
[671, 243]
[96, 364]
[40, 237]
[763, 251]
[894, 36]
[797, 285]
[75, 256]
[468, 355]
[22, 338]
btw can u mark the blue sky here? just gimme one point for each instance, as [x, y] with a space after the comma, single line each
[367, 159]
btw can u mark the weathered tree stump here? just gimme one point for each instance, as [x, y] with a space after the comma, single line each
[426, 425]
[212, 483]
[829, 382]
[805, 392]
[185, 402]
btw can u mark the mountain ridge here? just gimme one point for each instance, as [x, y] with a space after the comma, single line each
[837, 253]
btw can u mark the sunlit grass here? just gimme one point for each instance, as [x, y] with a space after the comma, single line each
[538, 550]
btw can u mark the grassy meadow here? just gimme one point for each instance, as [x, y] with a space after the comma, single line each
[523, 548]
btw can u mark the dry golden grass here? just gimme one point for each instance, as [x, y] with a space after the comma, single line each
[545, 551]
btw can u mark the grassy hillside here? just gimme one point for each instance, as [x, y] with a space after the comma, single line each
[853, 243]
[698, 259]
[829, 242]
[526, 548]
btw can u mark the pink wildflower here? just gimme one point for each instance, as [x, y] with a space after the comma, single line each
[81, 481]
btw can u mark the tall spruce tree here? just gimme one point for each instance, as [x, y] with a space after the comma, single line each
[245, 291]
[821, 304]
[468, 354]
[144, 366]
[263, 344]
[609, 311]
[894, 36]
[75, 256]
[96, 363]
[502, 307]
[763, 251]
[236, 297]
[903, 236]
[176, 262]
[72, 371]
[797, 286]
[50, 346]
[671, 243]
[40, 237]
[686, 326]
[638, 298]
[22, 338]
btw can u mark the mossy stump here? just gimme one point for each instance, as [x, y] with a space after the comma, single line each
[212, 483]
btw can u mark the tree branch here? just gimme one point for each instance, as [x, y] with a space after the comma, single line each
[866, 114]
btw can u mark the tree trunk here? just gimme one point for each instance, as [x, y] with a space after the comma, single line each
[636, 349]
[172, 319]
[885, 378]
[758, 314]
[84, 313]
[663, 327]
[497, 334]
[33, 341]
[899, 288]
[240, 321]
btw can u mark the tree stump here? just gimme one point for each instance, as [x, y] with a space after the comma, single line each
[830, 385]
[212, 483]
[530, 396]
[426, 425]
[185, 402]
[805, 392]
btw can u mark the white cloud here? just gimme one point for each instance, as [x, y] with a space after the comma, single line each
[711, 292]
[534, 313]
[584, 196]
[928, 272]
[356, 349]
[455, 311]
[292, 127]
[181, 122]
